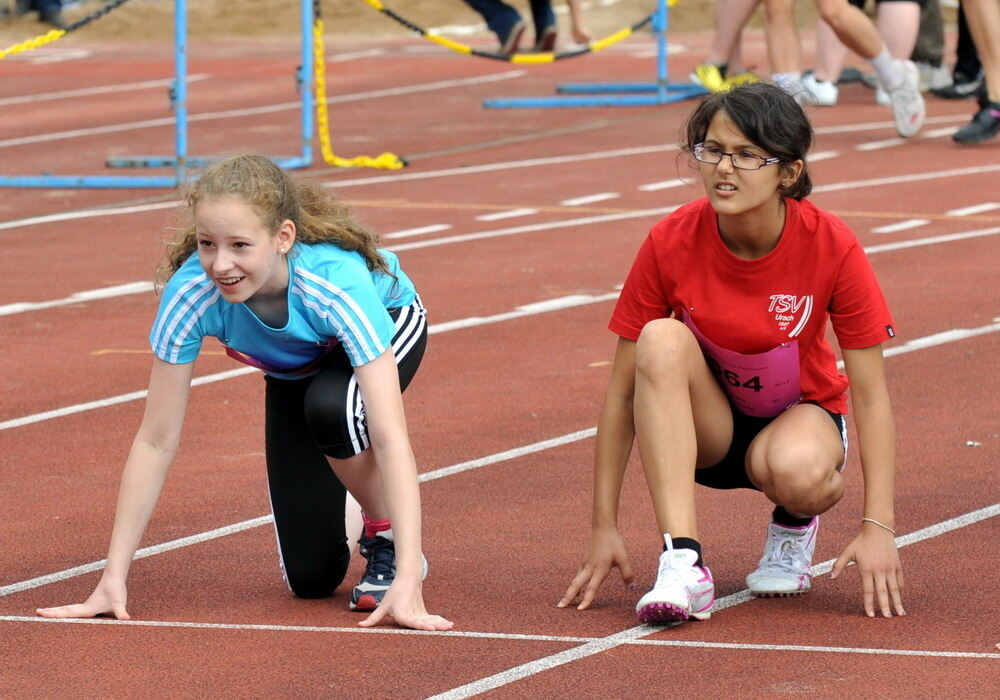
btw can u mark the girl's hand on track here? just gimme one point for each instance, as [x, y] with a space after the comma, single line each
[107, 599]
[874, 551]
[404, 603]
[606, 551]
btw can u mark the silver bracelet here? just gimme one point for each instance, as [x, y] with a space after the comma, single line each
[881, 525]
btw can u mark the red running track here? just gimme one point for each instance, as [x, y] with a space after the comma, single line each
[505, 533]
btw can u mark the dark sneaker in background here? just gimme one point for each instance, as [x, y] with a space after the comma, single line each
[962, 87]
[985, 125]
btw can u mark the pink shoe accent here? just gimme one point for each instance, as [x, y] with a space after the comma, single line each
[662, 612]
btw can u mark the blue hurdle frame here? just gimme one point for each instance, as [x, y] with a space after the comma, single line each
[181, 161]
[609, 94]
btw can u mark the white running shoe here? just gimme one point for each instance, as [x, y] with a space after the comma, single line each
[882, 97]
[907, 103]
[682, 590]
[933, 77]
[784, 568]
[822, 93]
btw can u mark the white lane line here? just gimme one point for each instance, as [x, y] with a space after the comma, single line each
[255, 111]
[664, 185]
[590, 199]
[19, 307]
[353, 55]
[974, 209]
[877, 145]
[115, 400]
[434, 475]
[942, 338]
[874, 126]
[140, 554]
[433, 228]
[78, 297]
[822, 155]
[905, 179]
[931, 240]
[108, 292]
[547, 306]
[101, 90]
[378, 179]
[463, 171]
[938, 133]
[628, 636]
[509, 214]
[818, 649]
[397, 631]
[901, 226]
[500, 636]
[517, 164]
[934, 340]
[51, 55]
[531, 228]
[88, 213]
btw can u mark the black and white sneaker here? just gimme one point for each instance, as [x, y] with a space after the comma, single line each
[380, 572]
[985, 125]
[962, 87]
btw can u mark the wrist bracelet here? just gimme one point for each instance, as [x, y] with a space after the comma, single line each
[876, 522]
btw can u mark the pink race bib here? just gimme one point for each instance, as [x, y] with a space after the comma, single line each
[763, 384]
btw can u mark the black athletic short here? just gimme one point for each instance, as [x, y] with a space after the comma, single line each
[731, 472]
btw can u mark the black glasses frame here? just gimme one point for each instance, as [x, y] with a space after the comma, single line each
[699, 152]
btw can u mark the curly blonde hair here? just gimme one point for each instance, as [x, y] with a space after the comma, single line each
[317, 214]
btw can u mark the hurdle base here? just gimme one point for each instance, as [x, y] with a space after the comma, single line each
[90, 181]
[288, 162]
[608, 95]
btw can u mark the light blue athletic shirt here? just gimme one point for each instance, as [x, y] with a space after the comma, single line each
[332, 295]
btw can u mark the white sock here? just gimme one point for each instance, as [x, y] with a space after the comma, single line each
[789, 82]
[890, 74]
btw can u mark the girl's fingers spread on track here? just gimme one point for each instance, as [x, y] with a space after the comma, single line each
[839, 565]
[582, 576]
[434, 623]
[868, 589]
[895, 595]
[882, 589]
[628, 575]
[77, 610]
[374, 618]
[590, 592]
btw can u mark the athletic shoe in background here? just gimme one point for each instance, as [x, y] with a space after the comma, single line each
[962, 87]
[985, 125]
[906, 101]
[823, 93]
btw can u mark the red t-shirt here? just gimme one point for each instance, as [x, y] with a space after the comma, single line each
[818, 271]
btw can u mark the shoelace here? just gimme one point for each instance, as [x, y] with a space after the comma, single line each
[381, 556]
[788, 556]
[669, 574]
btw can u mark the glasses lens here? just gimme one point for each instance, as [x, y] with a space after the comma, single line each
[747, 161]
[707, 155]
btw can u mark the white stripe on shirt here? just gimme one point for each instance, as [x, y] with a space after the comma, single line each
[157, 333]
[185, 310]
[364, 334]
[347, 299]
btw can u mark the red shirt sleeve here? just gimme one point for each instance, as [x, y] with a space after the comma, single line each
[643, 297]
[858, 310]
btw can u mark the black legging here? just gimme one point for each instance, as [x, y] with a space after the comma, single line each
[305, 420]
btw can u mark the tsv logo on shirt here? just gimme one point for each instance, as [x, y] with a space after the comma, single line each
[791, 312]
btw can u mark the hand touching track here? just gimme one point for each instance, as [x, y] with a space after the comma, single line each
[108, 598]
